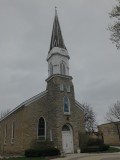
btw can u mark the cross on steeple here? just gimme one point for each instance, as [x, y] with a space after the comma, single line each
[55, 10]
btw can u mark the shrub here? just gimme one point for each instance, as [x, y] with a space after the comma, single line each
[88, 144]
[104, 147]
[83, 140]
[42, 152]
[94, 148]
[94, 142]
[83, 148]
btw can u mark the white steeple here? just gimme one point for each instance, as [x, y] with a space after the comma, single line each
[58, 58]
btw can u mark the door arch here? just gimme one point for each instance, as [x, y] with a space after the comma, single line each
[67, 138]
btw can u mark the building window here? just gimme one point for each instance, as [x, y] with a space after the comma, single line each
[68, 88]
[5, 139]
[51, 136]
[62, 68]
[13, 132]
[66, 105]
[61, 87]
[51, 69]
[65, 128]
[41, 129]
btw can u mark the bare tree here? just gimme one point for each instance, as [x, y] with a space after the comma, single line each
[89, 118]
[4, 113]
[113, 116]
[114, 112]
[115, 28]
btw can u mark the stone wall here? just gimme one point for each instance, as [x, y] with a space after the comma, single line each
[110, 133]
[50, 107]
[10, 145]
[75, 118]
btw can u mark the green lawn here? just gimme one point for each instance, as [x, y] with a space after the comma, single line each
[112, 149]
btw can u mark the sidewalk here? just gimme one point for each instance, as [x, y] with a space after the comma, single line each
[86, 156]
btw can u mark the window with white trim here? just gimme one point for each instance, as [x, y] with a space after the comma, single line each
[68, 88]
[41, 129]
[51, 136]
[13, 132]
[65, 128]
[51, 69]
[5, 138]
[61, 86]
[62, 68]
[66, 105]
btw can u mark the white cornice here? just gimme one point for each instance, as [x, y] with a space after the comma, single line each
[26, 103]
[80, 106]
[58, 51]
[58, 75]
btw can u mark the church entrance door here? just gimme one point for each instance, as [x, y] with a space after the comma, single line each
[67, 139]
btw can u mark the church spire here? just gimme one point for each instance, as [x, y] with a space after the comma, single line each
[56, 38]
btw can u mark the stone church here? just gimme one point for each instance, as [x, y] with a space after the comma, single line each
[53, 116]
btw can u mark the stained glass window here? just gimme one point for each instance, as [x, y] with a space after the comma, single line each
[66, 105]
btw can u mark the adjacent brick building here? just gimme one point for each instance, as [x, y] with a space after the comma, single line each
[51, 117]
[110, 133]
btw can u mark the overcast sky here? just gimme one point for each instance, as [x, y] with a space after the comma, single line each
[25, 33]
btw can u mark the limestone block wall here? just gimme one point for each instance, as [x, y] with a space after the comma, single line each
[9, 145]
[34, 112]
[76, 117]
[110, 133]
[50, 107]
[26, 126]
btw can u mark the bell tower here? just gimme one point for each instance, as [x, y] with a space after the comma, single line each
[58, 58]
[63, 113]
[58, 79]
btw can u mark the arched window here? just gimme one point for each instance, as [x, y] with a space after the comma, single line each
[13, 132]
[62, 68]
[51, 69]
[66, 105]
[65, 128]
[41, 129]
[5, 138]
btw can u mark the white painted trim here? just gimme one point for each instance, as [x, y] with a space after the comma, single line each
[31, 100]
[57, 54]
[61, 86]
[5, 136]
[50, 69]
[68, 88]
[71, 131]
[58, 75]
[57, 50]
[62, 67]
[51, 135]
[13, 130]
[26, 103]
